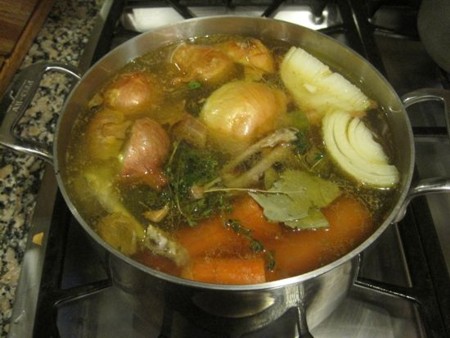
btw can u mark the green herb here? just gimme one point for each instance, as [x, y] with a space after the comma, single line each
[298, 120]
[194, 85]
[255, 245]
[301, 143]
[296, 198]
[189, 167]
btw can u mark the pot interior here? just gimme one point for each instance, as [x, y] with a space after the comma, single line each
[344, 60]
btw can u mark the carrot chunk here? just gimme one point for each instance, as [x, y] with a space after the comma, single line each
[226, 270]
[298, 252]
[209, 237]
[350, 222]
[251, 216]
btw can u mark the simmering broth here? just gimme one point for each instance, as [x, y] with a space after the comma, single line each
[208, 159]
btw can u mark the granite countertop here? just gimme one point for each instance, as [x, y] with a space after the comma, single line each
[62, 38]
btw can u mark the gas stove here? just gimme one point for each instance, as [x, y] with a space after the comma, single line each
[403, 286]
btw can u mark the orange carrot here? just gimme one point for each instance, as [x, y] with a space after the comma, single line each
[251, 216]
[208, 237]
[226, 270]
[297, 252]
[211, 236]
[350, 222]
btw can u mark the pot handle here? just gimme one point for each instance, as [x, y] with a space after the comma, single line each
[427, 185]
[16, 100]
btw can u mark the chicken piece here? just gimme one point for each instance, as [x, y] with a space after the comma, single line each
[202, 63]
[119, 228]
[145, 153]
[191, 130]
[276, 149]
[249, 52]
[106, 134]
[134, 92]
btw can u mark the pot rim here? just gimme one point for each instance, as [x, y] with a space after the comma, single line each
[406, 176]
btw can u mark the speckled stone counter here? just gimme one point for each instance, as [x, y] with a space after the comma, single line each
[62, 38]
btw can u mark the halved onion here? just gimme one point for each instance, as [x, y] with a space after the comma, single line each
[318, 90]
[351, 144]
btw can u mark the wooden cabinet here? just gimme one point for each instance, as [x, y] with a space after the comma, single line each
[20, 22]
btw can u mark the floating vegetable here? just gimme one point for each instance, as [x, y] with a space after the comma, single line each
[202, 63]
[239, 112]
[106, 134]
[256, 58]
[145, 153]
[318, 90]
[301, 251]
[351, 144]
[134, 92]
[249, 52]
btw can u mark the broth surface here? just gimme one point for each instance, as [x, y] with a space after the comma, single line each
[196, 160]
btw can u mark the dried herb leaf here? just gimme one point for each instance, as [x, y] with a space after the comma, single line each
[296, 198]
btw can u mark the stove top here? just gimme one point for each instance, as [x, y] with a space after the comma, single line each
[401, 290]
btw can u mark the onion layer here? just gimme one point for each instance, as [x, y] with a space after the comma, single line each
[351, 144]
[316, 89]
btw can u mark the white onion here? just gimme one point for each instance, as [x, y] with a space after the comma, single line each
[240, 112]
[316, 89]
[351, 144]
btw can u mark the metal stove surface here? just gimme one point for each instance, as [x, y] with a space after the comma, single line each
[312, 14]
[84, 304]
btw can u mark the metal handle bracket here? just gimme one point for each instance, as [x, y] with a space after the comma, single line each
[427, 185]
[18, 98]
